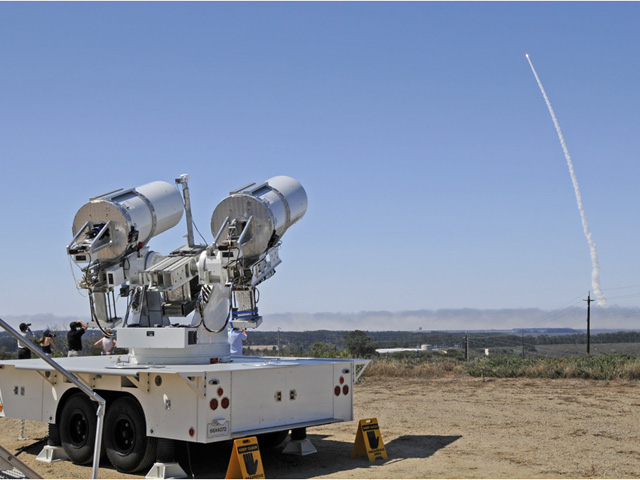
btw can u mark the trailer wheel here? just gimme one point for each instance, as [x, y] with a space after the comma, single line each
[128, 447]
[78, 428]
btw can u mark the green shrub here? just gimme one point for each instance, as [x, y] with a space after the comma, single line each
[603, 367]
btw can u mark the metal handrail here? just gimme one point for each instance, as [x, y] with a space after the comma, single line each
[6, 457]
[76, 381]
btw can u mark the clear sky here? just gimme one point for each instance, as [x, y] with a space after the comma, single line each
[434, 173]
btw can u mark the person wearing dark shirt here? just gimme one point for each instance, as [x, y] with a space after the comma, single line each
[47, 342]
[74, 336]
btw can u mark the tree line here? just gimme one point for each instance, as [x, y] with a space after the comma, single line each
[358, 343]
[302, 341]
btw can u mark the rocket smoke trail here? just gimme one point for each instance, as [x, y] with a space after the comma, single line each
[595, 272]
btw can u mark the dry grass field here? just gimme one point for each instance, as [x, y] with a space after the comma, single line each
[452, 427]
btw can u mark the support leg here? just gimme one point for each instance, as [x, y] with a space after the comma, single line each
[166, 465]
[299, 444]
[53, 450]
[21, 434]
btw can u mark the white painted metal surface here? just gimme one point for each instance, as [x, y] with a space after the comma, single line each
[267, 209]
[149, 209]
[263, 393]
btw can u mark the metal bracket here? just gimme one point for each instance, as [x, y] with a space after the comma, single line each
[245, 231]
[359, 368]
[91, 381]
[200, 391]
[219, 233]
[135, 380]
[92, 247]
[49, 376]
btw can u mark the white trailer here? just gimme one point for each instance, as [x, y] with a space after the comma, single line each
[179, 381]
[265, 396]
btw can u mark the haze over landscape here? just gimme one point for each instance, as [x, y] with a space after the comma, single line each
[439, 196]
[612, 318]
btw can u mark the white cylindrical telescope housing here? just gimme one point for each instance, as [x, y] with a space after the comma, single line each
[149, 210]
[273, 207]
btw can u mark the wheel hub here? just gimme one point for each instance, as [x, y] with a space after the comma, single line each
[78, 429]
[124, 435]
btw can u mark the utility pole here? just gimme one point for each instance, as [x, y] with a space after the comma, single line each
[588, 300]
[466, 346]
[278, 341]
[522, 344]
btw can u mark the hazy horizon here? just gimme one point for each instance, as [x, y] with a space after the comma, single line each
[609, 318]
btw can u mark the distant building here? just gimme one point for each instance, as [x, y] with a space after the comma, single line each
[421, 348]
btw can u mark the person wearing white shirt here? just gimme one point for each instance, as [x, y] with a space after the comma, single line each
[236, 337]
[25, 331]
[108, 343]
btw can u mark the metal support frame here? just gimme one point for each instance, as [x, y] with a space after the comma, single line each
[166, 470]
[183, 180]
[52, 453]
[363, 364]
[92, 248]
[9, 461]
[219, 233]
[76, 381]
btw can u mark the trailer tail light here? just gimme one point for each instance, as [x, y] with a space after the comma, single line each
[220, 391]
[192, 432]
[345, 389]
[341, 380]
[1, 407]
[213, 403]
[224, 403]
[336, 391]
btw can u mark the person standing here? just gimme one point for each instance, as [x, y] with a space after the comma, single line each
[108, 343]
[236, 337]
[74, 336]
[47, 342]
[25, 331]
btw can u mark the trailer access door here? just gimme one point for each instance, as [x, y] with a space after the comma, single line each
[278, 397]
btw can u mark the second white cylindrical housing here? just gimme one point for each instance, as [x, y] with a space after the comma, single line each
[273, 207]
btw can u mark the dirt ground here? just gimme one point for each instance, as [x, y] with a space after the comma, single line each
[443, 428]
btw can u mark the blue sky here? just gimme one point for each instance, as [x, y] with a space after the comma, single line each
[434, 174]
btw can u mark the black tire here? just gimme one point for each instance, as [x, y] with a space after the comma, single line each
[78, 428]
[269, 441]
[125, 437]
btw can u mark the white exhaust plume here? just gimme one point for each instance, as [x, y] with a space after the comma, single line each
[595, 272]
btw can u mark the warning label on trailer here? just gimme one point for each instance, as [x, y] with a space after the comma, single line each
[217, 429]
